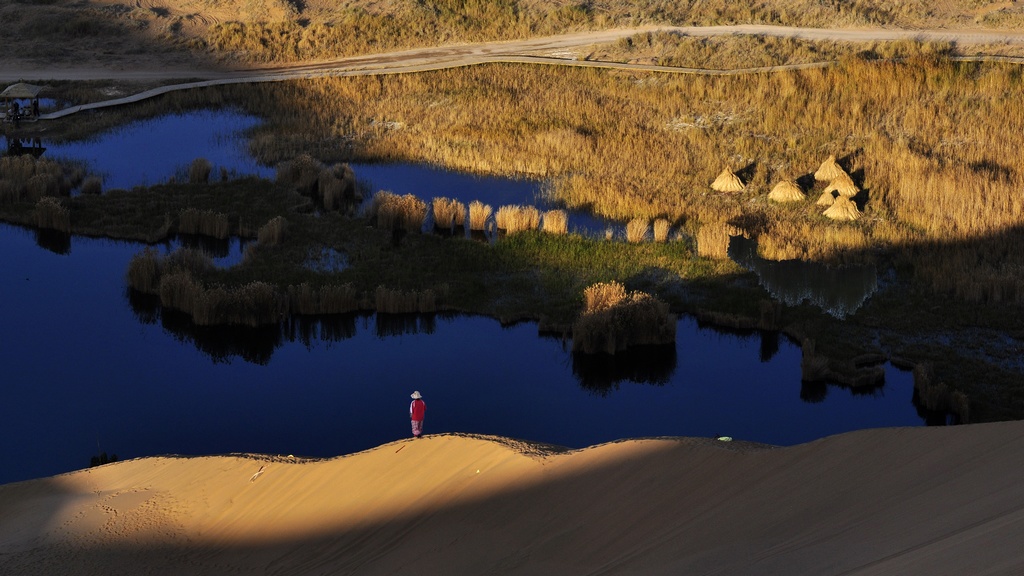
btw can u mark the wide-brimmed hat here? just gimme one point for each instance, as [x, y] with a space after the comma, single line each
[416, 395]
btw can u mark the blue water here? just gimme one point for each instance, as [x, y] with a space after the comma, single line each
[85, 371]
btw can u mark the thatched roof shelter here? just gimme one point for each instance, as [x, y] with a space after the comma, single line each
[787, 191]
[843, 209]
[829, 170]
[727, 181]
[827, 198]
[844, 185]
[21, 90]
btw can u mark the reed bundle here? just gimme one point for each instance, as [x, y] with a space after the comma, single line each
[787, 191]
[394, 212]
[336, 185]
[479, 214]
[637, 229]
[517, 218]
[829, 170]
[827, 198]
[727, 181]
[555, 222]
[843, 209]
[661, 230]
[843, 185]
[448, 213]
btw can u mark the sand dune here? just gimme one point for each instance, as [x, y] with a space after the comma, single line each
[890, 501]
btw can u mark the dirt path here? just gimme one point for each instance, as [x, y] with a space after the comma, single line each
[544, 50]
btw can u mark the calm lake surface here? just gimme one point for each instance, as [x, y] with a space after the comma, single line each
[89, 369]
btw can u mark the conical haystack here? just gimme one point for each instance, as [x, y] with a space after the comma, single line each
[829, 170]
[844, 185]
[827, 198]
[843, 209]
[727, 182]
[786, 191]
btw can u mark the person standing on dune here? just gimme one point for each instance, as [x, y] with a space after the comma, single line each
[417, 411]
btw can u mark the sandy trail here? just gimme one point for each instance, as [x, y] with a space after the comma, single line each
[529, 50]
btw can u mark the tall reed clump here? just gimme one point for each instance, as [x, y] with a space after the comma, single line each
[199, 171]
[144, 272]
[555, 222]
[301, 173]
[517, 218]
[395, 301]
[479, 214]
[661, 230]
[448, 213]
[713, 240]
[92, 186]
[205, 222]
[937, 396]
[273, 232]
[336, 185]
[330, 299]
[25, 178]
[393, 212]
[51, 214]
[637, 229]
[614, 320]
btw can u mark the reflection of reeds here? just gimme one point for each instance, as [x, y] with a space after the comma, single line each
[555, 222]
[516, 218]
[52, 215]
[448, 212]
[614, 320]
[272, 233]
[479, 214]
[205, 222]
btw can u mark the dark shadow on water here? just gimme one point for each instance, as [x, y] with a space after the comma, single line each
[813, 392]
[53, 240]
[222, 343]
[602, 373]
[389, 325]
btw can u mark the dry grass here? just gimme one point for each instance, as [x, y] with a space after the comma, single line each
[925, 140]
[332, 299]
[393, 301]
[614, 320]
[92, 185]
[661, 229]
[713, 240]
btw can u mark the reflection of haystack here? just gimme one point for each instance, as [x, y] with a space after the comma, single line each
[843, 209]
[727, 182]
[844, 185]
[786, 191]
[827, 198]
[829, 170]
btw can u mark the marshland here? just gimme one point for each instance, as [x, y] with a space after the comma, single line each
[930, 235]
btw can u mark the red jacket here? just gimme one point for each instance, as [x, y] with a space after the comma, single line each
[418, 409]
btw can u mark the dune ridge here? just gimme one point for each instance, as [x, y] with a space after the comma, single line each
[884, 501]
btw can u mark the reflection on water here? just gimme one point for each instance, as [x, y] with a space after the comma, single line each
[839, 291]
[603, 373]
